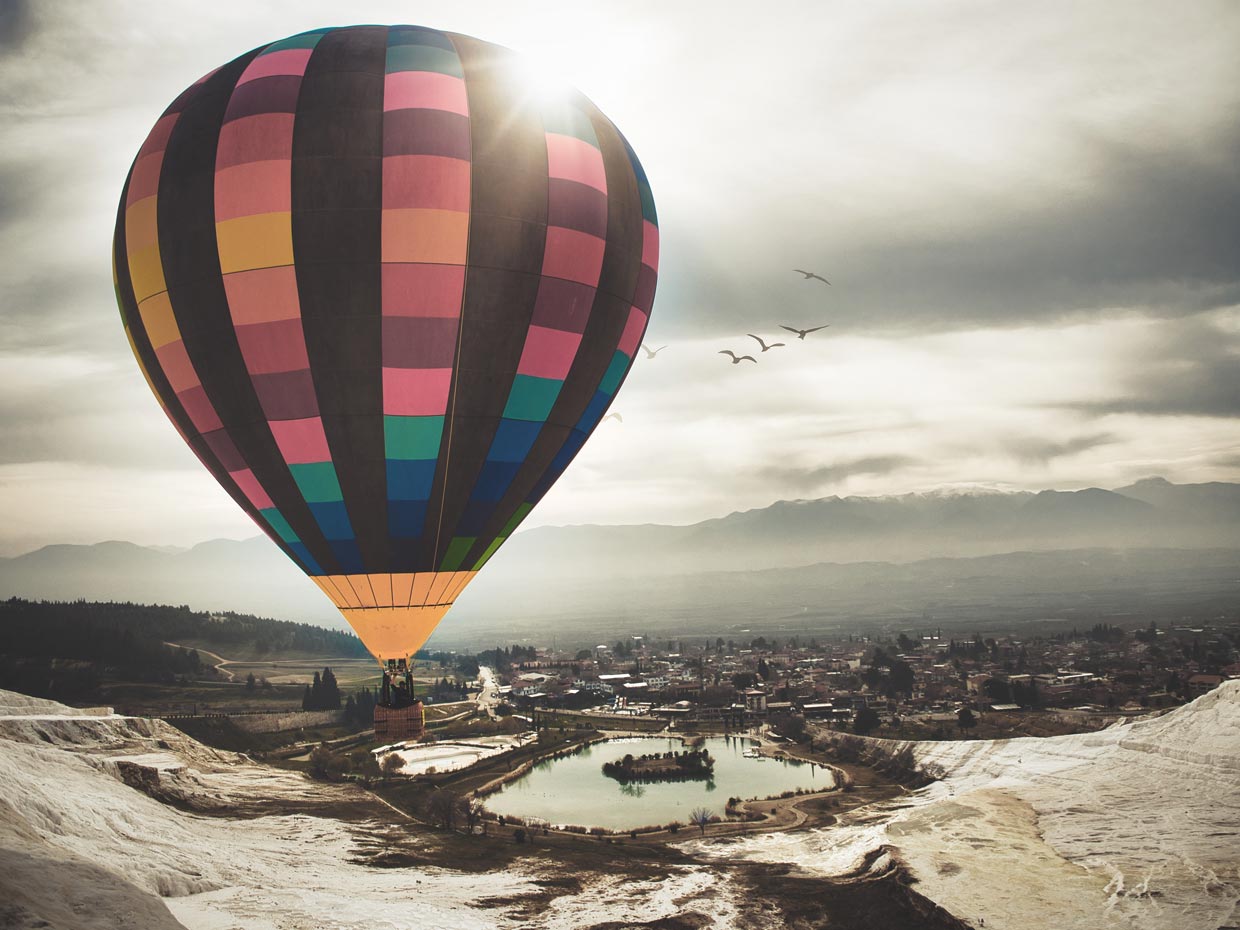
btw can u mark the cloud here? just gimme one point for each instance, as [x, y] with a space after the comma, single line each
[1038, 450]
[17, 24]
[1184, 368]
[810, 478]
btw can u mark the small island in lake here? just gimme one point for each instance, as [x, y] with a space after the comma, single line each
[662, 766]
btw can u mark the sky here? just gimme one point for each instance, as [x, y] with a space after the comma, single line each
[1029, 215]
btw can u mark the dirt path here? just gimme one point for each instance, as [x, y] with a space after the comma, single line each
[220, 660]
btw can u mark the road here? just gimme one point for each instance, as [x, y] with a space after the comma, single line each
[220, 660]
[488, 697]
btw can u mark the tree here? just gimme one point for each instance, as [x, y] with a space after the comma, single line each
[700, 817]
[901, 679]
[391, 765]
[866, 721]
[965, 719]
[326, 764]
[441, 808]
[764, 670]
[905, 644]
[330, 698]
[250, 682]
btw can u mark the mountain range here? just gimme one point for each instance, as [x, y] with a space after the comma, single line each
[848, 555]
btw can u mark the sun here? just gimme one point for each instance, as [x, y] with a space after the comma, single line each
[542, 86]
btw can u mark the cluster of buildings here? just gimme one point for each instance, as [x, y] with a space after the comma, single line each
[1105, 669]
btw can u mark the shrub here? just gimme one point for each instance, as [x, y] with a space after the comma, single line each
[519, 834]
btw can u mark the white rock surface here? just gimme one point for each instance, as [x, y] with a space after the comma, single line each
[1136, 826]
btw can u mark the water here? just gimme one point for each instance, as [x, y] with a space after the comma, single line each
[574, 790]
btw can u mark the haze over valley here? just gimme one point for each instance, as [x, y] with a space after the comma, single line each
[973, 559]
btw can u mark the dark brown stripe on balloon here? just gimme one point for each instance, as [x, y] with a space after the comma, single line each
[190, 258]
[337, 221]
[617, 284]
[507, 236]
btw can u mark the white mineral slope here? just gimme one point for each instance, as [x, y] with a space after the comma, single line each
[1136, 826]
[81, 848]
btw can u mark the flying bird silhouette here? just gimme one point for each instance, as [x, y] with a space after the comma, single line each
[810, 274]
[765, 346]
[649, 353]
[737, 359]
[802, 333]
[610, 415]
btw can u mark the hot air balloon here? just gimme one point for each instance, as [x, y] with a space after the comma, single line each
[384, 293]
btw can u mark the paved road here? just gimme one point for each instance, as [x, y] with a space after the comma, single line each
[488, 697]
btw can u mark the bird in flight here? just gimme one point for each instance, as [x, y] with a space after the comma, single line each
[611, 415]
[802, 333]
[652, 354]
[737, 359]
[765, 346]
[810, 274]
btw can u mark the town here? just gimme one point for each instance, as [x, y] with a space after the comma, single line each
[925, 685]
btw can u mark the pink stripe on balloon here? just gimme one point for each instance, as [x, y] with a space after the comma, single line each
[252, 188]
[573, 160]
[631, 338]
[415, 392]
[144, 179]
[265, 137]
[573, 255]
[286, 61]
[424, 90]
[199, 409]
[263, 295]
[548, 353]
[426, 181]
[422, 290]
[250, 487]
[650, 244]
[177, 368]
[157, 140]
[301, 441]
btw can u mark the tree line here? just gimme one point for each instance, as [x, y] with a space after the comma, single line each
[87, 625]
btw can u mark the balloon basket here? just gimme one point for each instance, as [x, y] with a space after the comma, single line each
[398, 715]
[393, 724]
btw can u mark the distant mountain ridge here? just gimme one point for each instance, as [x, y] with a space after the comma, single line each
[597, 564]
[1150, 513]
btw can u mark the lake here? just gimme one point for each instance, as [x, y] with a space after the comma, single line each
[574, 790]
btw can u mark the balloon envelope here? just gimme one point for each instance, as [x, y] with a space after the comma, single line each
[385, 294]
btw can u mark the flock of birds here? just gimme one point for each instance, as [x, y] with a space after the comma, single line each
[766, 346]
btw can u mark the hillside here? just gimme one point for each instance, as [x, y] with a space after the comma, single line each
[110, 821]
[1135, 827]
[1151, 545]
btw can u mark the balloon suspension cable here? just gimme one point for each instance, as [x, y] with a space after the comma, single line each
[397, 684]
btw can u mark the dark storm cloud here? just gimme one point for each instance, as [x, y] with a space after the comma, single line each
[1038, 450]
[17, 24]
[1192, 368]
[809, 478]
[1209, 388]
